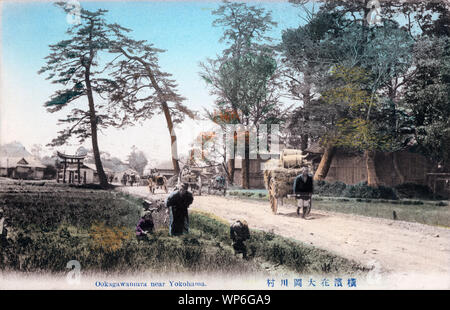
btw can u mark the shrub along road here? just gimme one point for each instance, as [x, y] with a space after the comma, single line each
[401, 249]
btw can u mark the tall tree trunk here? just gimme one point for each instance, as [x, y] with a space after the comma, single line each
[325, 163]
[245, 173]
[372, 178]
[231, 168]
[173, 138]
[232, 160]
[225, 168]
[304, 142]
[93, 120]
[93, 116]
[246, 163]
[306, 96]
[164, 107]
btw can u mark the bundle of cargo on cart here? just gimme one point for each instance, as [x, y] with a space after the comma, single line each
[279, 177]
[198, 177]
[192, 176]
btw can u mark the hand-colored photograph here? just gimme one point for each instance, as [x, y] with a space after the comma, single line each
[225, 145]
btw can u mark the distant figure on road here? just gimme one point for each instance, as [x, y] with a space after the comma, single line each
[220, 180]
[303, 186]
[178, 203]
[124, 179]
[144, 227]
[132, 179]
[239, 233]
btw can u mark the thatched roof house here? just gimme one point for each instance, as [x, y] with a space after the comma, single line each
[165, 168]
[21, 168]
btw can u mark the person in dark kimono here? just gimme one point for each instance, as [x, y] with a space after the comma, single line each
[303, 186]
[178, 203]
[239, 233]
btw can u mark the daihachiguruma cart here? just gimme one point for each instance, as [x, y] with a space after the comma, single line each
[279, 176]
[217, 183]
[192, 177]
[156, 181]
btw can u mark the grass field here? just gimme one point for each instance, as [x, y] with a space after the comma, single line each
[53, 224]
[419, 211]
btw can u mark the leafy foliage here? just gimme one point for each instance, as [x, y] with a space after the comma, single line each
[427, 98]
[332, 189]
[137, 160]
[71, 64]
[109, 239]
[360, 190]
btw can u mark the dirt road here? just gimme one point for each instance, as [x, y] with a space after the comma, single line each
[395, 247]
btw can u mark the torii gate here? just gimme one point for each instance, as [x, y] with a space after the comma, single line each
[78, 159]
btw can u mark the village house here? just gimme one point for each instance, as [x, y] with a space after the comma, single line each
[165, 168]
[21, 168]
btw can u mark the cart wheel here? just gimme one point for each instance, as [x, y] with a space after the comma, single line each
[273, 204]
[273, 200]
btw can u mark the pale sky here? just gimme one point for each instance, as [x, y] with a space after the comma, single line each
[183, 28]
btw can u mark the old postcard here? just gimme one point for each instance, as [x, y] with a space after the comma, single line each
[225, 145]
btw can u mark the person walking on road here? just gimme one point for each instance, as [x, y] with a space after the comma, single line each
[303, 188]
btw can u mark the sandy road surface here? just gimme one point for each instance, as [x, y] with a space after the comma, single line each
[396, 247]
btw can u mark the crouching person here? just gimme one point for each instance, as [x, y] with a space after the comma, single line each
[144, 227]
[239, 233]
[178, 203]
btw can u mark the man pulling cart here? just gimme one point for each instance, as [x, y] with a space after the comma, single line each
[289, 177]
[302, 190]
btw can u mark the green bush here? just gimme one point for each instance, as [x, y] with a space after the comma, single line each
[362, 190]
[78, 208]
[51, 251]
[333, 189]
[411, 190]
